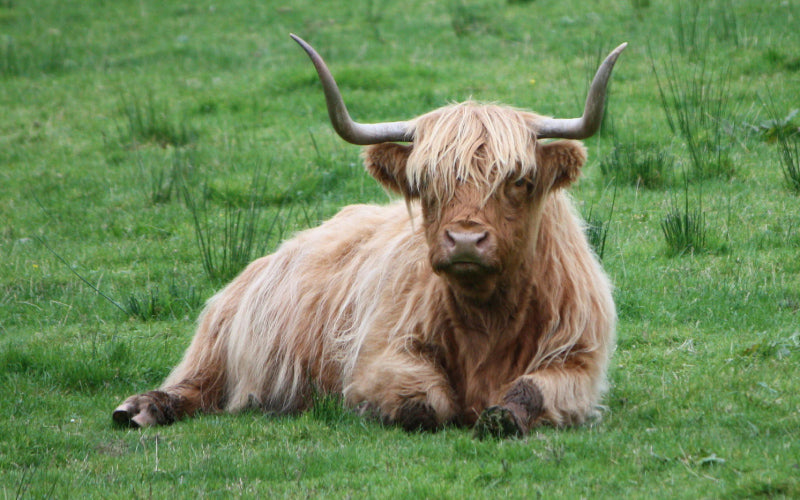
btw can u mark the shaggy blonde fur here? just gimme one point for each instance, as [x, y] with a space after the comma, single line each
[366, 306]
[450, 141]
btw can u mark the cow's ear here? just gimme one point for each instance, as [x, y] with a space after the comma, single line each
[387, 163]
[563, 160]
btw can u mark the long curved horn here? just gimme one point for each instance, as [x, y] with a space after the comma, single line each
[349, 130]
[589, 123]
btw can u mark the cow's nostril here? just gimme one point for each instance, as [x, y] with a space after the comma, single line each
[482, 240]
[448, 238]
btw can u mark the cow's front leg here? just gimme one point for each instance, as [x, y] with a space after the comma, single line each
[401, 389]
[414, 414]
[566, 393]
[519, 409]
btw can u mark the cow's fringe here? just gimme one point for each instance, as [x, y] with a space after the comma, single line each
[449, 140]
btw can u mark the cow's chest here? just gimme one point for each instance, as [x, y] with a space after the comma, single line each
[480, 368]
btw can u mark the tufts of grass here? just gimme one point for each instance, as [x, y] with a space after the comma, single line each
[784, 132]
[330, 409]
[639, 7]
[782, 61]
[726, 24]
[469, 18]
[373, 16]
[789, 151]
[151, 121]
[695, 101]
[162, 181]
[230, 238]
[55, 56]
[10, 64]
[684, 227]
[688, 35]
[50, 55]
[638, 165]
[177, 302]
[694, 23]
[597, 227]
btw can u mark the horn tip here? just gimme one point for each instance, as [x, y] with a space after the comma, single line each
[300, 41]
[612, 57]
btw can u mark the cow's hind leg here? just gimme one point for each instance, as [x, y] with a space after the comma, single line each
[166, 405]
[197, 384]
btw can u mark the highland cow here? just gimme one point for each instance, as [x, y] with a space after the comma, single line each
[476, 300]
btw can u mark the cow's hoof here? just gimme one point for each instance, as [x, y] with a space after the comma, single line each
[145, 410]
[123, 415]
[416, 415]
[497, 422]
[128, 415]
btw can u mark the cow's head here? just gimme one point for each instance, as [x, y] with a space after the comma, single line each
[480, 173]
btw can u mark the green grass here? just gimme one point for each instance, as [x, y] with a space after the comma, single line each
[641, 165]
[790, 159]
[697, 104]
[149, 121]
[784, 131]
[110, 109]
[684, 226]
[598, 226]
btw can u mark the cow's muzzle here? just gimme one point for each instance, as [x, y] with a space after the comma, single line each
[467, 251]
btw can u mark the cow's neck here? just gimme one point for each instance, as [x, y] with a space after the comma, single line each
[501, 314]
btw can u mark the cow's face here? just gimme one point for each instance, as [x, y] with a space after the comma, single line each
[481, 212]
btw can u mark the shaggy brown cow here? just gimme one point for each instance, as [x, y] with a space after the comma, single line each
[477, 301]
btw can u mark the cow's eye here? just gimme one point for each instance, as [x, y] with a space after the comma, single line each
[522, 186]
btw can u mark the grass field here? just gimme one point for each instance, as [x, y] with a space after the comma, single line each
[148, 149]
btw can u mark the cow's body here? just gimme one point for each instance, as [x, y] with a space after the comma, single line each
[479, 299]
